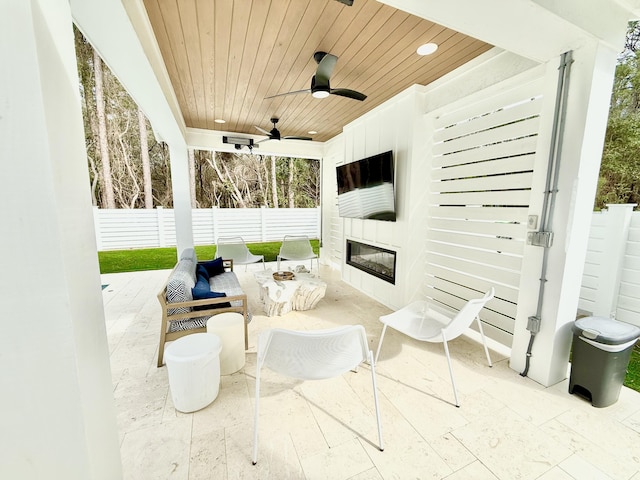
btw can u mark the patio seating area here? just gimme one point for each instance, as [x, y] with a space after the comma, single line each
[508, 427]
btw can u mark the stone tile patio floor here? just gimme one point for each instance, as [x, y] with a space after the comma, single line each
[508, 427]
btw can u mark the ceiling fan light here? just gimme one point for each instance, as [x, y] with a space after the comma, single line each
[320, 94]
[427, 49]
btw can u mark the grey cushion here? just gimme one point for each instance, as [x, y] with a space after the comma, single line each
[179, 286]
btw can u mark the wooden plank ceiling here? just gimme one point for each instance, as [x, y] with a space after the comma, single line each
[225, 56]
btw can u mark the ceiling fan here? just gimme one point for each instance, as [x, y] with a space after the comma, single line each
[274, 134]
[320, 87]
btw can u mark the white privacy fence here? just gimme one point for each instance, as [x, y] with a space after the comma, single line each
[121, 229]
[611, 278]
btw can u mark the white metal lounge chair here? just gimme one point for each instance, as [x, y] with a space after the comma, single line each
[313, 355]
[234, 248]
[297, 247]
[421, 321]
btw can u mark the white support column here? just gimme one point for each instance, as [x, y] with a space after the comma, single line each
[162, 238]
[57, 412]
[615, 241]
[587, 112]
[181, 196]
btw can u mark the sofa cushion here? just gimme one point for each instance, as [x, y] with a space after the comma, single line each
[179, 286]
[214, 267]
[202, 290]
[189, 254]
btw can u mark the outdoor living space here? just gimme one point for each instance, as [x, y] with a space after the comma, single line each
[507, 427]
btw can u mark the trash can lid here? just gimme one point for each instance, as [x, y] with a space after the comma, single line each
[606, 330]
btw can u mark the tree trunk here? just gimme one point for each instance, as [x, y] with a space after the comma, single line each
[290, 190]
[146, 162]
[107, 194]
[192, 176]
[274, 183]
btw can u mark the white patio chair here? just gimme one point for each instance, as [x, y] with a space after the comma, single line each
[296, 247]
[234, 248]
[421, 321]
[313, 355]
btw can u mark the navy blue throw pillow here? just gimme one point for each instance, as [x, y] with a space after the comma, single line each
[200, 270]
[201, 290]
[213, 267]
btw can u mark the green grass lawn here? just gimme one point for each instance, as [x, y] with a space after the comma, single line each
[117, 261]
[164, 258]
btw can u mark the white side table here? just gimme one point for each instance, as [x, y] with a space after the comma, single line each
[282, 296]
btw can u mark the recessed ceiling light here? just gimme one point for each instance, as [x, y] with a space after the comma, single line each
[312, 132]
[219, 120]
[427, 49]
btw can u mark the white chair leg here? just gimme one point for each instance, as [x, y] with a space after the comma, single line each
[375, 399]
[484, 342]
[384, 329]
[453, 382]
[254, 459]
[278, 263]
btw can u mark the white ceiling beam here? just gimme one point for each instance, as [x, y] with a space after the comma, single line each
[535, 29]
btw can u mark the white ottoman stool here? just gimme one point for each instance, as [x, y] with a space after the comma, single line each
[229, 326]
[193, 365]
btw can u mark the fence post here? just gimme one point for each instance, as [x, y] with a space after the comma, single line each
[318, 223]
[160, 217]
[215, 221]
[263, 223]
[615, 245]
[96, 227]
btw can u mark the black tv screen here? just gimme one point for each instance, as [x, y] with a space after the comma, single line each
[366, 188]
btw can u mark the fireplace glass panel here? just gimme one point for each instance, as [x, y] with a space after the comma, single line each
[376, 261]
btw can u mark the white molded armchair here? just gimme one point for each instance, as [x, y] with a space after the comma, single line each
[313, 355]
[297, 247]
[234, 248]
[421, 321]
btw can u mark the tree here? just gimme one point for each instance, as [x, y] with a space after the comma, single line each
[619, 180]
[108, 201]
[146, 162]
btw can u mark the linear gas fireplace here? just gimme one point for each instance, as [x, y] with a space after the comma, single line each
[376, 261]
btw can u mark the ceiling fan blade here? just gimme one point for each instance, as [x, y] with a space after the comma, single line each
[345, 92]
[264, 140]
[291, 137]
[325, 69]
[263, 130]
[288, 93]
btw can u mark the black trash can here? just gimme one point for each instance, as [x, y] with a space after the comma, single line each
[601, 351]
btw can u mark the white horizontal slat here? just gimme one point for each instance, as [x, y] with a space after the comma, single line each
[486, 104]
[516, 198]
[482, 256]
[490, 167]
[507, 292]
[525, 128]
[474, 269]
[493, 229]
[504, 149]
[496, 214]
[509, 182]
[484, 122]
[514, 247]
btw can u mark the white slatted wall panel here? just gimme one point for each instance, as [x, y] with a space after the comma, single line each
[595, 255]
[629, 296]
[483, 159]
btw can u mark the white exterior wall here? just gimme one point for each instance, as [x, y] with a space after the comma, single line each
[57, 414]
[399, 125]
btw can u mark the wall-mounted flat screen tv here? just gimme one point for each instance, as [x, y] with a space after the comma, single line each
[366, 188]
